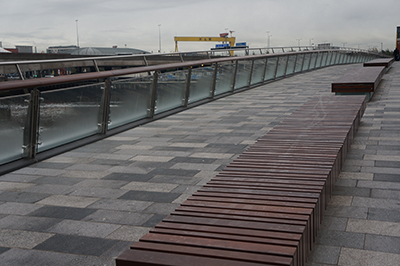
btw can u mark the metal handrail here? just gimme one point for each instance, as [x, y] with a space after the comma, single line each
[39, 82]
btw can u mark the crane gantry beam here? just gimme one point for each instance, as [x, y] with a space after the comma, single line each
[230, 40]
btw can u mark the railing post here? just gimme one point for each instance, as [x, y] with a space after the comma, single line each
[295, 62]
[104, 116]
[32, 126]
[302, 63]
[214, 81]
[153, 95]
[276, 67]
[316, 60]
[234, 75]
[187, 88]
[251, 73]
[286, 66]
[265, 68]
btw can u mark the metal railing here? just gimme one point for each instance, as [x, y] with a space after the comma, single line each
[36, 118]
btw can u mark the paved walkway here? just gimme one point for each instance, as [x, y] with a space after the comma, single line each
[87, 206]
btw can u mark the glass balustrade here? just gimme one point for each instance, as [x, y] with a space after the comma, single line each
[271, 68]
[282, 63]
[129, 100]
[258, 71]
[291, 64]
[225, 76]
[201, 80]
[69, 114]
[171, 87]
[306, 62]
[243, 74]
[299, 63]
[13, 122]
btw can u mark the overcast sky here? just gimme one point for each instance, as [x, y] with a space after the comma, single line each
[135, 23]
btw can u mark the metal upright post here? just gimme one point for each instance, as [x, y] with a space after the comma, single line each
[214, 81]
[153, 95]
[32, 126]
[187, 88]
[234, 76]
[105, 107]
[265, 68]
[251, 73]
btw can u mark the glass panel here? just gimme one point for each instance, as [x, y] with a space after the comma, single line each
[171, 88]
[13, 119]
[243, 74]
[306, 63]
[281, 66]
[258, 71]
[69, 114]
[299, 62]
[328, 59]
[319, 60]
[290, 66]
[130, 98]
[200, 83]
[271, 68]
[225, 75]
[313, 60]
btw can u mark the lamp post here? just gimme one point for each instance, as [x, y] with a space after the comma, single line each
[77, 35]
[298, 41]
[159, 37]
[268, 39]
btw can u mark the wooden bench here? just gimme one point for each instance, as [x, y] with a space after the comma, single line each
[386, 62]
[363, 81]
[266, 206]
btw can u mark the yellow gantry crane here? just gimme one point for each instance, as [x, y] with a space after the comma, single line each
[223, 38]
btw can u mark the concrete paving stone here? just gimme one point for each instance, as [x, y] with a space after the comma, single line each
[175, 180]
[128, 170]
[170, 153]
[195, 166]
[175, 172]
[128, 177]
[358, 163]
[53, 189]
[39, 171]
[346, 182]
[18, 178]
[388, 215]
[17, 256]
[212, 155]
[385, 193]
[379, 170]
[151, 165]
[341, 239]
[118, 217]
[154, 220]
[97, 192]
[51, 165]
[83, 228]
[129, 233]
[58, 212]
[55, 180]
[356, 175]
[121, 205]
[186, 189]
[86, 174]
[382, 243]
[25, 197]
[325, 254]
[22, 239]
[387, 177]
[80, 245]
[13, 186]
[18, 208]
[347, 212]
[375, 203]
[382, 158]
[341, 200]
[88, 167]
[150, 196]
[148, 186]
[356, 257]
[379, 184]
[2, 250]
[27, 223]
[117, 249]
[192, 159]
[189, 144]
[182, 198]
[333, 223]
[65, 159]
[145, 158]
[111, 157]
[102, 183]
[68, 201]
[373, 227]
[161, 208]
[91, 260]
[351, 191]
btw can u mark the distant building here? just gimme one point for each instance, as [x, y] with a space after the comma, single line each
[24, 49]
[74, 50]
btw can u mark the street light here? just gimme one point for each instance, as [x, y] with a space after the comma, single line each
[77, 35]
[268, 39]
[311, 40]
[159, 37]
[298, 41]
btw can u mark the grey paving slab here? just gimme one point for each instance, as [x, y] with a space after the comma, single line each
[35, 258]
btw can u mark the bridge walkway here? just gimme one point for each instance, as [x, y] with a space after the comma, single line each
[87, 206]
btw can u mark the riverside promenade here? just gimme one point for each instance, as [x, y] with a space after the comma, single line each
[86, 206]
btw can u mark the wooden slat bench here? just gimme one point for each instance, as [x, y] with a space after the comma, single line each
[266, 206]
[386, 62]
[364, 81]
